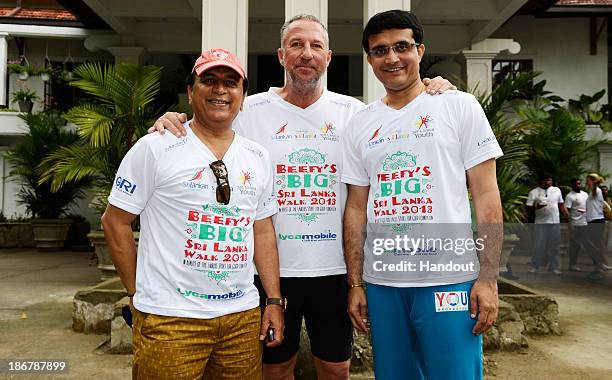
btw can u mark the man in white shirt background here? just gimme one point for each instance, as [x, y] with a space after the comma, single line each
[546, 201]
[575, 202]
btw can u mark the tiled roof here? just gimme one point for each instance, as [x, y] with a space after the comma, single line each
[39, 14]
[584, 2]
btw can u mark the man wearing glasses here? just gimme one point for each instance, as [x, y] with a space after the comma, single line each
[302, 124]
[205, 203]
[407, 158]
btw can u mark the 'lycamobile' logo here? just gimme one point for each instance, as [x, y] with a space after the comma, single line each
[213, 297]
[323, 236]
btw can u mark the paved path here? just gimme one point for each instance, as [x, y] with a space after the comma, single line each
[36, 290]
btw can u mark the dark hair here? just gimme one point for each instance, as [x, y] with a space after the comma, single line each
[574, 180]
[544, 176]
[394, 19]
[190, 80]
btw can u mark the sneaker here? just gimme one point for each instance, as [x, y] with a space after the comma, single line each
[534, 270]
[557, 272]
[605, 267]
[574, 268]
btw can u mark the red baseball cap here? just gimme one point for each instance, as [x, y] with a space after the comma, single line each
[217, 57]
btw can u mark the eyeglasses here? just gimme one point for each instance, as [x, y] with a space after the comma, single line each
[223, 187]
[398, 47]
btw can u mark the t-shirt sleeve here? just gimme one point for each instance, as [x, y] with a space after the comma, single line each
[266, 205]
[568, 201]
[353, 166]
[559, 195]
[135, 179]
[530, 198]
[478, 143]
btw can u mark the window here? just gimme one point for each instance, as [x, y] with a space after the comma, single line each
[503, 69]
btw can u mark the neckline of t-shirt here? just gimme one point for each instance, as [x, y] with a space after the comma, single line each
[272, 92]
[191, 136]
[407, 107]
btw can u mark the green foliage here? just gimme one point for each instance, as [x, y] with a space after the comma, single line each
[16, 68]
[557, 146]
[510, 131]
[121, 109]
[47, 133]
[586, 108]
[24, 95]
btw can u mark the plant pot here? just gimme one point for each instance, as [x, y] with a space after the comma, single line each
[50, 234]
[26, 106]
[45, 77]
[23, 76]
[77, 236]
[105, 261]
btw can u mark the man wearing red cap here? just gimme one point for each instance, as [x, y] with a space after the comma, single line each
[205, 203]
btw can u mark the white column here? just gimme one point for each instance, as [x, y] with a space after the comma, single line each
[316, 8]
[478, 65]
[225, 24]
[3, 58]
[479, 61]
[605, 159]
[128, 54]
[372, 88]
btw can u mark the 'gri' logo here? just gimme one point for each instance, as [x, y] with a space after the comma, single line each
[124, 185]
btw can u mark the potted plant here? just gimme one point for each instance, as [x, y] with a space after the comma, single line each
[45, 73]
[119, 112]
[46, 205]
[25, 98]
[22, 71]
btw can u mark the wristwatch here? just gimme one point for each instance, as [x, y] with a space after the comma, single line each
[282, 302]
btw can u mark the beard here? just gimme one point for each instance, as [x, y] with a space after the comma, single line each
[304, 84]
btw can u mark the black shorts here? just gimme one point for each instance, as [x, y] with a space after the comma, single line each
[323, 302]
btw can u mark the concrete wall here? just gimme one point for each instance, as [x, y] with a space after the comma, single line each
[559, 49]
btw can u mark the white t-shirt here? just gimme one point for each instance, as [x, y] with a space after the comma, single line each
[195, 256]
[551, 197]
[306, 153]
[414, 160]
[576, 204]
[594, 206]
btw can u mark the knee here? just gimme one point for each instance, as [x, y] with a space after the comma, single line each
[279, 371]
[333, 371]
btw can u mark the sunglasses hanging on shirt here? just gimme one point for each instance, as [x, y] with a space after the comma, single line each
[223, 187]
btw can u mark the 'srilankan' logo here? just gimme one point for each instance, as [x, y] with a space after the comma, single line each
[375, 134]
[282, 129]
[198, 176]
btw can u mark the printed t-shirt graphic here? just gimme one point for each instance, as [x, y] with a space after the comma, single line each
[195, 256]
[306, 153]
[414, 160]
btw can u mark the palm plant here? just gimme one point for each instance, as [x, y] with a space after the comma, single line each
[557, 145]
[121, 109]
[47, 133]
[510, 130]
